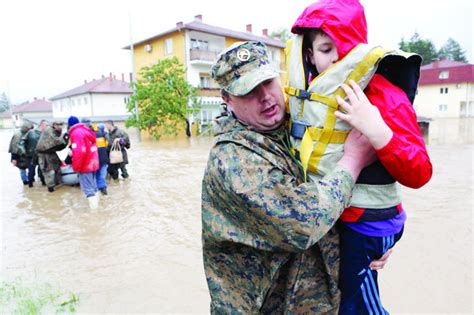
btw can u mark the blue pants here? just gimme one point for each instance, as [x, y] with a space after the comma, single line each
[88, 183]
[24, 175]
[100, 174]
[358, 284]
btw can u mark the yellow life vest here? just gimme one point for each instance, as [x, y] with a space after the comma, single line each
[317, 135]
[101, 142]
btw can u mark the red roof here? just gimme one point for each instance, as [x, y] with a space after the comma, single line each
[6, 114]
[38, 105]
[104, 85]
[215, 30]
[457, 72]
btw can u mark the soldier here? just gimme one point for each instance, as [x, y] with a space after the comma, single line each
[28, 144]
[269, 245]
[51, 141]
[18, 154]
[116, 135]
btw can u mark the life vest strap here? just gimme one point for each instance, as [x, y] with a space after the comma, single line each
[333, 136]
[305, 95]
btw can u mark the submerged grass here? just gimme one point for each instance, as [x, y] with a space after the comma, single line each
[16, 298]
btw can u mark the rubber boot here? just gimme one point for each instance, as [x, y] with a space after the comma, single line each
[93, 202]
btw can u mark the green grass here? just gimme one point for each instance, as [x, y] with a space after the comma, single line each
[15, 298]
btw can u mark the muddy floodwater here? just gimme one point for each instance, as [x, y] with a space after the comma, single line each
[140, 252]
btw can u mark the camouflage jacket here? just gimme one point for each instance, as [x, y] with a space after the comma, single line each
[269, 245]
[29, 141]
[50, 141]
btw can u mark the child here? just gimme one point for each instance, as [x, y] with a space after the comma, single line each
[329, 54]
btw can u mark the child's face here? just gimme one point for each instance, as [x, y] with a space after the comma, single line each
[324, 52]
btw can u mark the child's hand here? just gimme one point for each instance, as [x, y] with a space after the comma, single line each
[362, 115]
[380, 263]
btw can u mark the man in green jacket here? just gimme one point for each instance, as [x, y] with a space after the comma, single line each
[51, 141]
[117, 136]
[269, 242]
[18, 154]
[28, 144]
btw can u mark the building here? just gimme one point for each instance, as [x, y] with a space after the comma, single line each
[34, 112]
[6, 120]
[196, 45]
[98, 100]
[446, 90]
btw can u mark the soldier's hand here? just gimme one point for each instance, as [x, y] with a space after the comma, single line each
[116, 140]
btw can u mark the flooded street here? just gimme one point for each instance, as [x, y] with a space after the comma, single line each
[140, 252]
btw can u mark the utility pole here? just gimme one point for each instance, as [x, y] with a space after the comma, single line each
[132, 77]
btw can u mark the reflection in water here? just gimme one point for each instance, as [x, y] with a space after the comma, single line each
[141, 250]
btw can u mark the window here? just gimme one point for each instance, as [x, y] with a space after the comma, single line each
[205, 80]
[85, 100]
[444, 74]
[79, 101]
[199, 44]
[443, 90]
[443, 107]
[168, 46]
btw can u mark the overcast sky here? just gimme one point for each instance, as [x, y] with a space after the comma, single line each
[48, 46]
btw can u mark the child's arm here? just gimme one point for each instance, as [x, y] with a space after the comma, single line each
[404, 154]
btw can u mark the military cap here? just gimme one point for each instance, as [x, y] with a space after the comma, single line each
[243, 66]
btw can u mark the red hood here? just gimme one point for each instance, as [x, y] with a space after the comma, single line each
[85, 131]
[343, 20]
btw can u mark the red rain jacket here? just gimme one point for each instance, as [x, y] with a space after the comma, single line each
[405, 156]
[84, 149]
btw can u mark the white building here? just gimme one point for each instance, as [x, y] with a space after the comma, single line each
[98, 100]
[446, 90]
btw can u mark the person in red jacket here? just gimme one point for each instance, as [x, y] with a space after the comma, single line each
[85, 159]
[384, 114]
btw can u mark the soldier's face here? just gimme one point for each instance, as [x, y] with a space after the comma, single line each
[263, 108]
[43, 126]
[57, 127]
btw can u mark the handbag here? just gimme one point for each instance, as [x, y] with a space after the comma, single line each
[116, 155]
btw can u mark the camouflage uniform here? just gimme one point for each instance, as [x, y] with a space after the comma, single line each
[17, 151]
[268, 239]
[49, 143]
[28, 144]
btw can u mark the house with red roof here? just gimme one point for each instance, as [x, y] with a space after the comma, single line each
[34, 112]
[98, 100]
[446, 90]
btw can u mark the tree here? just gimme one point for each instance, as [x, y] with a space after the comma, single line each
[423, 47]
[4, 102]
[452, 50]
[283, 32]
[164, 98]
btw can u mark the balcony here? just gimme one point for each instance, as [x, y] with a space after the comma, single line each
[202, 56]
[209, 92]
